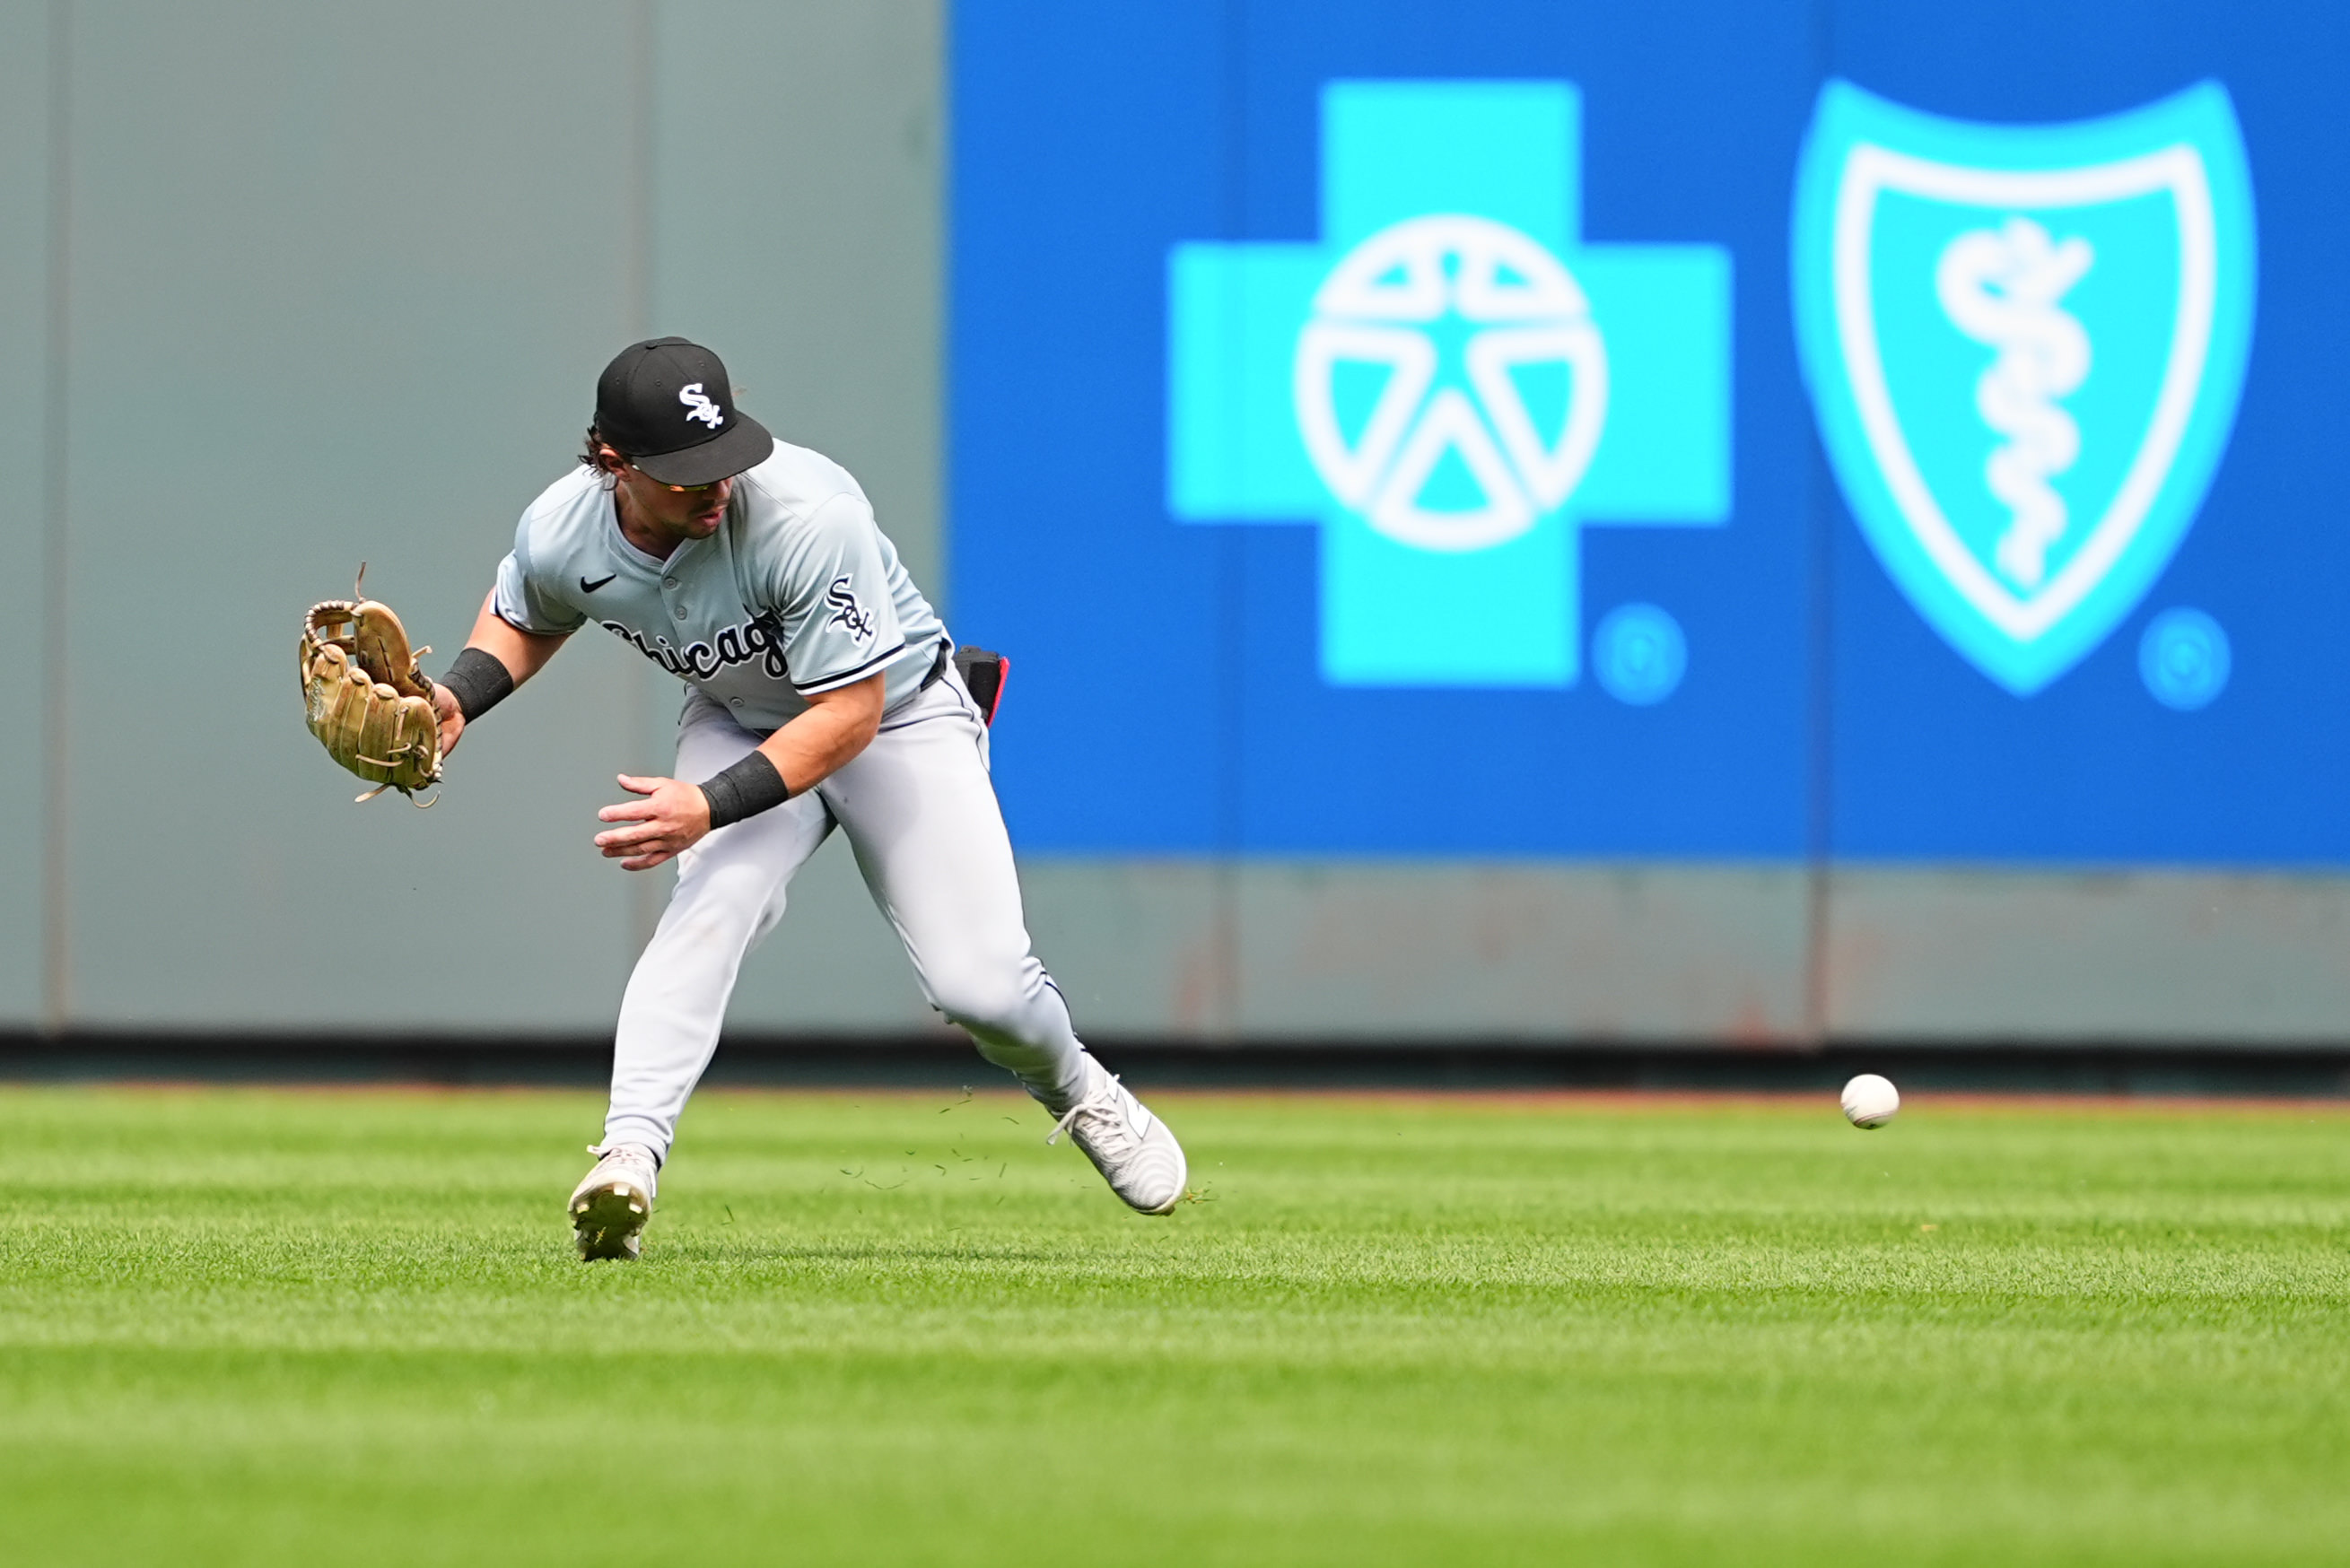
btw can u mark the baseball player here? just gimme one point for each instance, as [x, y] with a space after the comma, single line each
[823, 692]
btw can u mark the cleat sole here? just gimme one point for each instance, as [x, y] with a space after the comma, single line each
[609, 1224]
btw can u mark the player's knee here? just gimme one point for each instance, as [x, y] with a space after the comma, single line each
[988, 998]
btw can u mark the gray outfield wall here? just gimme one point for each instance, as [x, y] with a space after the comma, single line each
[287, 287]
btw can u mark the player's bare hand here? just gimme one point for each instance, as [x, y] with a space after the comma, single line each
[453, 718]
[671, 819]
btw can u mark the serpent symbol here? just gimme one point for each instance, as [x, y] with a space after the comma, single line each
[2000, 287]
[698, 407]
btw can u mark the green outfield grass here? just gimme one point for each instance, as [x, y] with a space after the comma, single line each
[309, 1327]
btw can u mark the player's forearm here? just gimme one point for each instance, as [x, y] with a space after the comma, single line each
[793, 760]
[796, 758]
[827, 737]
[497, 659]
[523, 653]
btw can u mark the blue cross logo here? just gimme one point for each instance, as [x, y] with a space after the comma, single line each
[1452, 384]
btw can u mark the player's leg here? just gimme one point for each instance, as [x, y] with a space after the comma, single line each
[730, 893]
[921, 815]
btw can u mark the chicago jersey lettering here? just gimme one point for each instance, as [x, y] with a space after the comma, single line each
[798, 593]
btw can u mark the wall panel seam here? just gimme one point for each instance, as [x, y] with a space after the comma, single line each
[56, 954]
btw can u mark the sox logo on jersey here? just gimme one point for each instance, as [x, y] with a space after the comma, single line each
[846, 613]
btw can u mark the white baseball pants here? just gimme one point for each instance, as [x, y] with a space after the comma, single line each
[921, 815]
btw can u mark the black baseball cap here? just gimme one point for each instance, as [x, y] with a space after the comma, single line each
[666, 405]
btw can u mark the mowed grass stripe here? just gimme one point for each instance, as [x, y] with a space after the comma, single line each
[250, 1325]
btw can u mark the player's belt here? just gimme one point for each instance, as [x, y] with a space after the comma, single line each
[938, 666]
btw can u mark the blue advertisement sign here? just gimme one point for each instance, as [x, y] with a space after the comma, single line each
[1451, 383]
[1504, 428]
[2024, 499]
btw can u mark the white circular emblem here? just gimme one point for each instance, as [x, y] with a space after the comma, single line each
[1523, 309]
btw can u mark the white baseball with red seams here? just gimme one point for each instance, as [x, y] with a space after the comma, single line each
[1871, 1101]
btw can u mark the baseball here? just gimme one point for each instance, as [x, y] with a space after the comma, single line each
[1871, 1101]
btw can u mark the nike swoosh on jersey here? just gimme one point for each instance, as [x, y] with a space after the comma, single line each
[587, 588]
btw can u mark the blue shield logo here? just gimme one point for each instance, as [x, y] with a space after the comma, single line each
[2024, 345]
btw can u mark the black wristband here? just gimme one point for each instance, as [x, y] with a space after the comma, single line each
[479, 680]
[747, 789]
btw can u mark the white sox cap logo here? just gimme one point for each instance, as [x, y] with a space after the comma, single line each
[698, 407]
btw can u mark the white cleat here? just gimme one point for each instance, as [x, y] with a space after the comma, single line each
[612, 1202]
[1132, 1148]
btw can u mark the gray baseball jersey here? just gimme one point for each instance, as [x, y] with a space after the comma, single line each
[798, 592]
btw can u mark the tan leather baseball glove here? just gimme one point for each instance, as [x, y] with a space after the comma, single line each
[365, 699]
